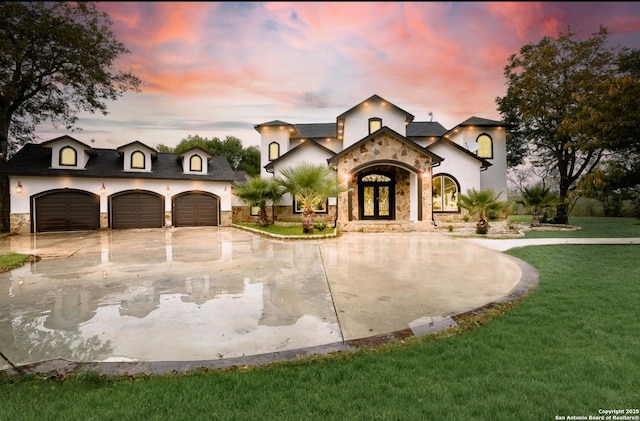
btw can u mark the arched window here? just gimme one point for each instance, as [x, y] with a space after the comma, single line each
[68, 156]
[195, 163]
[375, 124]
[274, 151]
[445, 194]
[485, 146]
[137, 160]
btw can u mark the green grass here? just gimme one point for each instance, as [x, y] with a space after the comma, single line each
[12, 260]
[283, 230]
[591, 227]
[570, 348]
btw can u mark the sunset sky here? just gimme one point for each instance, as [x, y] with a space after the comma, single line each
[218, 69]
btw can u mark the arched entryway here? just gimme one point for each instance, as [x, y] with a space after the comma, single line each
[376, 195]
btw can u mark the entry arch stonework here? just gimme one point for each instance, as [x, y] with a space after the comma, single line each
[413, 169]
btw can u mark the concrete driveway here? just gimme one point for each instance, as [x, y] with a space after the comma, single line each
[157, 300]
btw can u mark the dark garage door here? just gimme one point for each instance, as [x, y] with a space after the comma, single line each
[195, 210]
[67, 211]
[137, 210]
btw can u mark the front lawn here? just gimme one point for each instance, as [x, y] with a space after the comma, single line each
[591, 227]
[569, 349]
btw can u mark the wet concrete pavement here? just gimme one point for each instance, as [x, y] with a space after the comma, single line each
[177, 298]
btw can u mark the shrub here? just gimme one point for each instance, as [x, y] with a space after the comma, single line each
[320, 226]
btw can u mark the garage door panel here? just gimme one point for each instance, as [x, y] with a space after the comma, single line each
[67, 211]
[195, 210]
[137, 210]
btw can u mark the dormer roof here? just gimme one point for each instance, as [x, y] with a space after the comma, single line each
[152, 151]
[195, 149]
[67, 138]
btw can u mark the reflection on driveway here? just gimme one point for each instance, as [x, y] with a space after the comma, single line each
[187, 294]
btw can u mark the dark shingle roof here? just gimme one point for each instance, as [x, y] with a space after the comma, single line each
[35, 160]
[482, 122]
[315, 130]
[425, 129]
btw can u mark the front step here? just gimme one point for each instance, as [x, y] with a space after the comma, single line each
[386, 226]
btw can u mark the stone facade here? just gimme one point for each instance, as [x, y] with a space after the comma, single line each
[20, 223]
[390, 155]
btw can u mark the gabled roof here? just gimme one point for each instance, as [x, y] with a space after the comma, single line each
[315, 131]
[49, 143]
[409, 117]
[195, 149]
[449, 142]
[425, 129]
[34, 159]
[385, 130]
[121, 149]
[304, 145]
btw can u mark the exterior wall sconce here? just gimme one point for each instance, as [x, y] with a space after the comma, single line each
[168, 190]
[103, 189]
[19, 188]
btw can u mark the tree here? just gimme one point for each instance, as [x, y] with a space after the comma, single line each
[563, 97]
[57, 60]
[482, 203]
[239, 157]
[310, 185]
[537, 198]
[260, 192]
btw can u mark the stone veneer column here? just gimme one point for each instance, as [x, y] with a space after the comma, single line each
[20, 223]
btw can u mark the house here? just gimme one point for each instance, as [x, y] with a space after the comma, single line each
[66, 185]
[400, 174]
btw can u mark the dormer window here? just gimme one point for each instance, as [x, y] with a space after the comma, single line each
[68, 157]
[195, 163]
[137, 160]
[375, 124]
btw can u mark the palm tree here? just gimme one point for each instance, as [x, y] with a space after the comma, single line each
[481, 203]
[256, 191]
[537, 198]
[310, 185]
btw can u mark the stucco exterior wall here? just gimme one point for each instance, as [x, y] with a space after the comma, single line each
[465, 169]
[356, 125]
[269, 134]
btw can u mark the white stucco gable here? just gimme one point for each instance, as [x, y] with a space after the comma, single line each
[68, 153]
[137, 157]
[195, 161]
[355, 124]
[459, 164]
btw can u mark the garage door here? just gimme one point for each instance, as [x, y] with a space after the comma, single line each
[195, 210]
[137, 210]
[67, 211]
